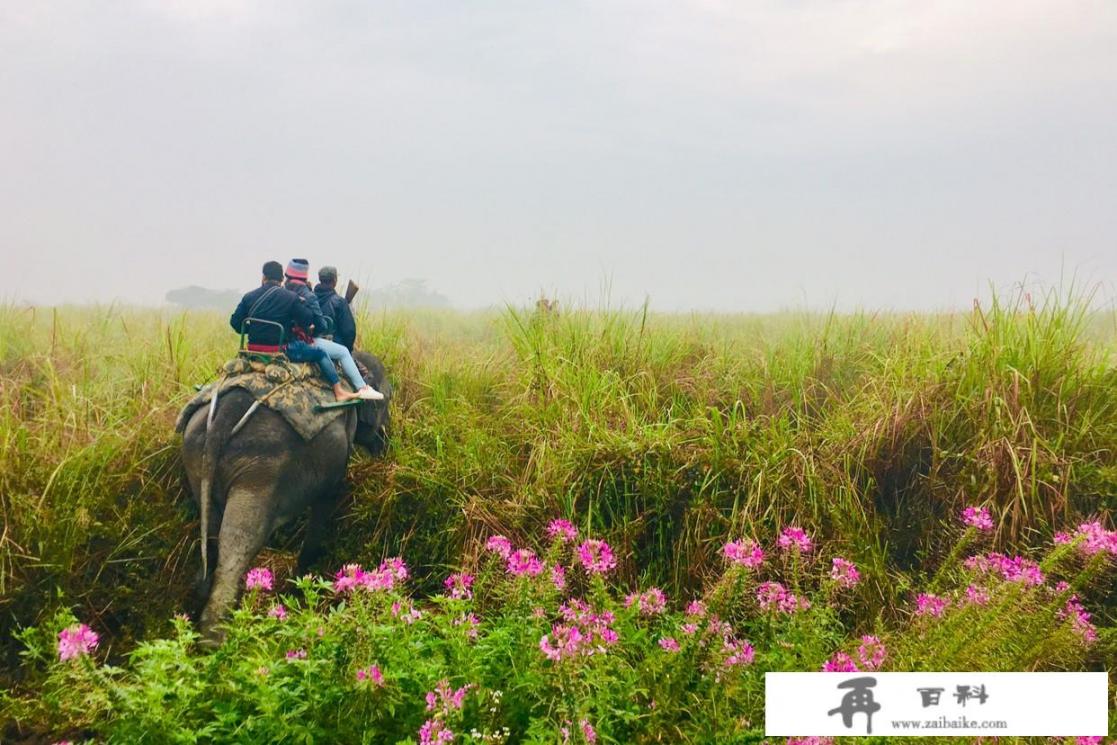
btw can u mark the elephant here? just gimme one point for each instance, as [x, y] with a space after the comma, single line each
[248, 485]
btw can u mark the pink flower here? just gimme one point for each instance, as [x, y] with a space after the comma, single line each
[524, 562]
[1095, 539]
[696, 609]
[774, 595]
[690, 629]
[278, 612]
[596, 556]
[348, 578]
[844, 572]
[435, 732]
[928, 604]
[976, 595]
[562, 530]
[259, 578]
[840, 663]
[978, 517]
[585, 632]
[794, 537]
[745, 552]
[499, 545]
[588, 732]
[445, 699]
[558, 577]
[409, 615]
[669, 644]
[651, 603]
[871, 652]
[769, 594]
[371, 673]
[395, 568]
[1080, 620]
[296, 654]
[812, 740]
[1011, 568]
[76, 641]
[740, 653]
[460, 586]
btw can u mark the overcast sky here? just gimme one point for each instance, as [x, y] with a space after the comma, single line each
[727, 155]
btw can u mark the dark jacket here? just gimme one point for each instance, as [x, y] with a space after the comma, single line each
[337, 310]
[321, 322]
[270, 303]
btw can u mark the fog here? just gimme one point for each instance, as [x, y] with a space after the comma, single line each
[707, 155]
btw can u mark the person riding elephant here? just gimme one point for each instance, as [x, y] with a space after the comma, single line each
[335, 308]
[298, 270]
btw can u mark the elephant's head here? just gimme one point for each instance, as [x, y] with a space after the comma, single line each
[372, 416]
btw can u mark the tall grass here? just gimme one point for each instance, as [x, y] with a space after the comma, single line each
[663, 433]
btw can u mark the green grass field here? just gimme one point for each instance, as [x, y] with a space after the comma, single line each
[664, 434]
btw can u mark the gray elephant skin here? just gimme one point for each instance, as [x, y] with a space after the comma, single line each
[248, 485]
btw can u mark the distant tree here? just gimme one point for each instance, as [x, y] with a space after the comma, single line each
[407, 293]
[202, 297]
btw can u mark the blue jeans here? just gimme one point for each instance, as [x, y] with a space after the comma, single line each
[339, 353]
[300, 351]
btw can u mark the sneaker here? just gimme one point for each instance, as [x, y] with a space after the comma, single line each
[368, 393]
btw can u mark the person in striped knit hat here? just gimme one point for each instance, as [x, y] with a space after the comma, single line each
[298, 270]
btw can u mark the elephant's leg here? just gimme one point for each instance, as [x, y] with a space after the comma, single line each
[245, 528]
[323, 514]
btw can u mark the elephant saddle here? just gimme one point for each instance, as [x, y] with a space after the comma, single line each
[293, 389]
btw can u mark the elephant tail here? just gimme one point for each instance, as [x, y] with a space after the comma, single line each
[215, 440]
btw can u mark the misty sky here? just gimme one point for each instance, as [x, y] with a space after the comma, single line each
[727, 155]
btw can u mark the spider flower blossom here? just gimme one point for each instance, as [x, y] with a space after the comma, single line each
[1011, 568]
[1095, 539]
[596, 556]
[500, 546]
[585, 632]
[840, 663]
[1079, 619]
[435, 732]
[524, 562]
[871, 652]
[558, 577]
[76, 641]
[844, 572]
[351, 576]
[812, 740]
[794, 537]
[739, 652]
[372, 674]
[296, 654]
[745, 552]
[930, 605]
[445, 699]
[978, 517]
[669, 644]
[696, 609]
[650, 603]
[562, 530]
[976, 595]
[460, 586]
[259, 578]
[774, 595]
[278, 612]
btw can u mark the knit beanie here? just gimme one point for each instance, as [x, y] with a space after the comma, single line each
[298, 269]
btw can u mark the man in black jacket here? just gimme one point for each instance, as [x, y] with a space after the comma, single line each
[270, 302]
[335, 308]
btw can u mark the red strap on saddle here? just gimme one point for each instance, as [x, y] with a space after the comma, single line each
[265, 348]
